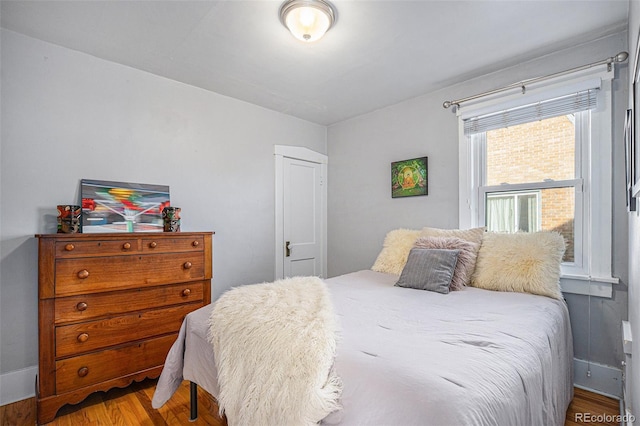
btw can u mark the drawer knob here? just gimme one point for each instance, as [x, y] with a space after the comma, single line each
[69, 247]
[82, 372]
[82, 306]
[186, 292]
[187, 265]
[153, 244]
[126, 246]
[195, 243]
[83, 337]
[83, 274]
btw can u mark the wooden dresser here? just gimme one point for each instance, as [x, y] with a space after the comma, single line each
[110, 307]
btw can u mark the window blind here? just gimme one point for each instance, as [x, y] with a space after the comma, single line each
[563, 105]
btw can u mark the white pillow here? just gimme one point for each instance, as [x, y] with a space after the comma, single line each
[520, 262]
[395, 251]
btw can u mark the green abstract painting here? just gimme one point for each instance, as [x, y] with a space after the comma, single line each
[409, 177]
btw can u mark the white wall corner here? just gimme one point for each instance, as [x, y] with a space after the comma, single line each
[18, 385]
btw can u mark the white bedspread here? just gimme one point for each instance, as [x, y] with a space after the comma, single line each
[414, 357]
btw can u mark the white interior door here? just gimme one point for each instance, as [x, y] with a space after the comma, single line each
[302, 204]
[300, 214]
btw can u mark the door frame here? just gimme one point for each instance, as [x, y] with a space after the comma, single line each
[304, 154]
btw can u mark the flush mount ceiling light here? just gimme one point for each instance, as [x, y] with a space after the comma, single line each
[307, 20]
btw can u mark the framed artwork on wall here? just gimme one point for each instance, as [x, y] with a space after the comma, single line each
[409, 178]
[122, 206]
[629, 151]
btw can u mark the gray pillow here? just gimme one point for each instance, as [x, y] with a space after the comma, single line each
[429, 269]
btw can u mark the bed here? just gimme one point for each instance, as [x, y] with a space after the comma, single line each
[413, 357]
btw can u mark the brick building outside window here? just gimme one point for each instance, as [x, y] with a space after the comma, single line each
[538, 151]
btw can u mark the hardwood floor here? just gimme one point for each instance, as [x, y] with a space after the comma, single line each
[121, 407]
[132, 406]
[593, 409]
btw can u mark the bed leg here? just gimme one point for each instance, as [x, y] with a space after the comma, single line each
[193, 388]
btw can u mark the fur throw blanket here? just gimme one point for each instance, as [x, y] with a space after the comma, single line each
[274, 346]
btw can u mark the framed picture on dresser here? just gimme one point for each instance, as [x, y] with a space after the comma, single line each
[122, 206]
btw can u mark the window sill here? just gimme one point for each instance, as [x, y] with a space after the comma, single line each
[593, 286]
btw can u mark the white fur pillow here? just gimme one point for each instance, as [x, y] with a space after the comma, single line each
[521, 262]
[395, 251]
[466, 258]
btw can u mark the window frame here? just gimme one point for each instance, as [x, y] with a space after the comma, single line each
[582, 122]
[591, 273]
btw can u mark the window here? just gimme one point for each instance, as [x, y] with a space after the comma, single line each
[541, 160]
[530, 178]
[513, 211]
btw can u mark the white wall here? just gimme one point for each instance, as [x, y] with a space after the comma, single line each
[67, 116]
[361, 210]
[633, 401]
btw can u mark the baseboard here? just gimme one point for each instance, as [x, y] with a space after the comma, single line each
[604, 379]
[18, 385]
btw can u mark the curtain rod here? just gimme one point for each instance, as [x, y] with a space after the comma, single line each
[620, 57]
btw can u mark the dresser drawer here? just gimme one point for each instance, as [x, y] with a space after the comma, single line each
[71, 248]
[100, 274]
[91, 306]
[77, 372]
[92, 335]
[177, 244]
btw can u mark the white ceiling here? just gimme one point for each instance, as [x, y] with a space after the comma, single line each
[378, 53]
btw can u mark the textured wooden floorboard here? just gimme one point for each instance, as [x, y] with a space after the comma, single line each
[588, 408]
[132, 406]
